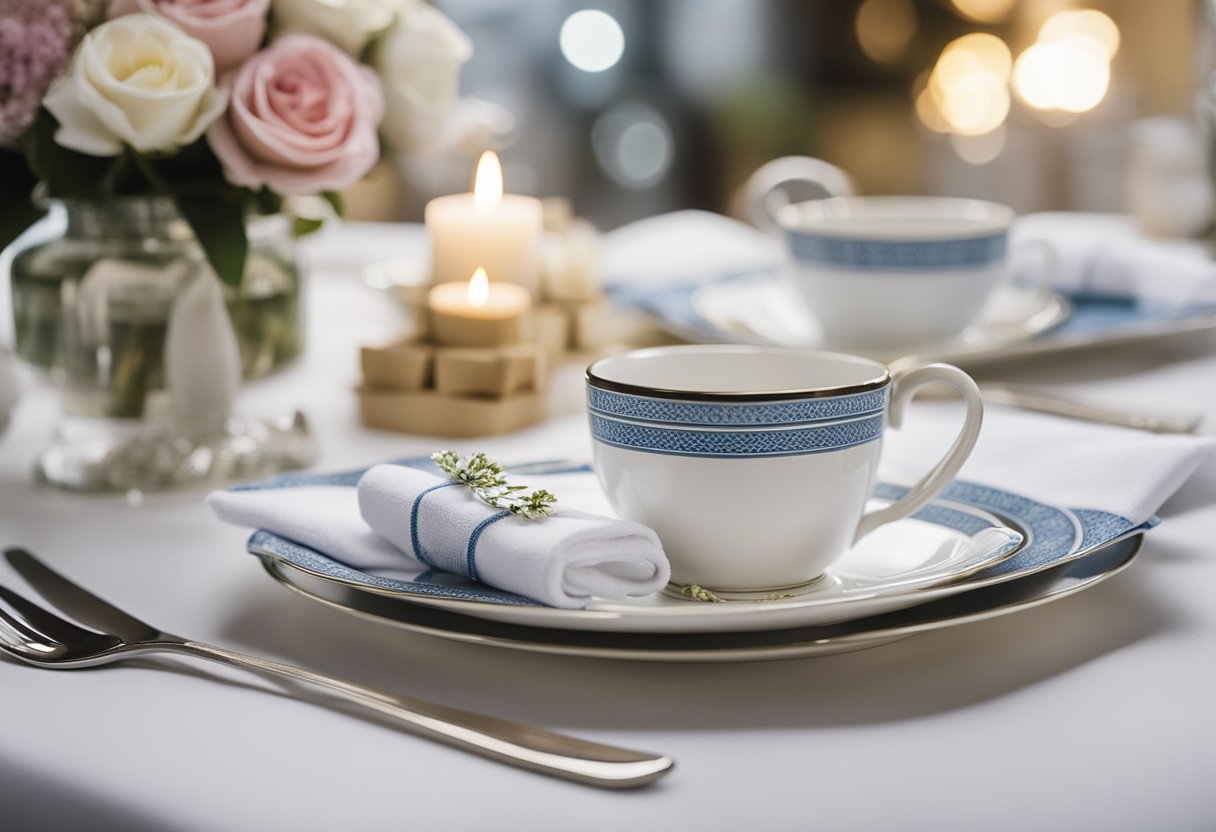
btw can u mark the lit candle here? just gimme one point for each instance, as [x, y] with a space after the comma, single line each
[501, 232]
[478, 313]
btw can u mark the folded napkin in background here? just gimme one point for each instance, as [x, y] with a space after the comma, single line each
[401, 520]
[683, 246]
[1104, 254]
[1097, 254]
[1058, 461]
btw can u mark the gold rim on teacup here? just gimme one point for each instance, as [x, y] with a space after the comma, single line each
[598, 381]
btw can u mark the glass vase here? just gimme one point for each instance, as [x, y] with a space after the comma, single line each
[150, 348]
[51, 260]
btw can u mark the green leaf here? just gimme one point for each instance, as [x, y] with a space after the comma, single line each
[65, 172]
[487, 480]
[218, 221]
[335, 201]
[267, 201]
[16, 194]
[302, 226]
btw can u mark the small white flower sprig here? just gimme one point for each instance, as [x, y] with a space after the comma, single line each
[488, 482]
[700, 593]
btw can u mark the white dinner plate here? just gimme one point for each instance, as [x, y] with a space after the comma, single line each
[972, 536]
[980, 604]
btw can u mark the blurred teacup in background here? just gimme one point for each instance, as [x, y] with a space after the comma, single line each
[754, 464]
[883, 272]
[889, 272]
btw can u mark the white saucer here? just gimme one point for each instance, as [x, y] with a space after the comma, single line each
[966, 539]
[901, 564]
[761, 308]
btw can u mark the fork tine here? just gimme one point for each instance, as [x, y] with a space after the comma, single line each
[71, 597]
[33, 621]
[15, 624]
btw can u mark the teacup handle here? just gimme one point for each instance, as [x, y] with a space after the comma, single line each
[905, 386]
[766, 191]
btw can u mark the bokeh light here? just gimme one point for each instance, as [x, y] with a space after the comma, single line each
[1082, 23]
[969, 85]
[633, 144]
[885, 28]
[929, 114]
[979, 150]
[1071, 75]
[984, 11]
[592, 40]
[966, 95]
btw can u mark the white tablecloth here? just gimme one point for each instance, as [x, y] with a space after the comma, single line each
[1094, 712]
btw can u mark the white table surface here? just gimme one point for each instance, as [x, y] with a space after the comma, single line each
[1095, 712]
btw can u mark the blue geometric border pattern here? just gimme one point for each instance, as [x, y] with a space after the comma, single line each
[1101, 526]
[736, 443]
[897, 255]
[1052, 533]
[802, 412]
[430, 582]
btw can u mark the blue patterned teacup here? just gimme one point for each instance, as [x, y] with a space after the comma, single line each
[895, 271]
[754, 464]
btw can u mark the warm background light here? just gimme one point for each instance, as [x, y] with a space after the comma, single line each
[1071, 76]
[928, 112]
[968, 87]
[1067, 69]
[966, 95]
[487, 183]
[479, 289]
[984, 11]
[1083, 23]
[979, 150]
[885, 28]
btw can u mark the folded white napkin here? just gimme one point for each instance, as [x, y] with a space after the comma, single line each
[401, 520]
[684, 246]
[1101, 254]
[1058, 461]
[1104, 254]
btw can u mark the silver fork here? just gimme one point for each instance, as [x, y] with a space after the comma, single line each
[37, 636]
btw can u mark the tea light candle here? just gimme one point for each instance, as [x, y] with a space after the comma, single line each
[478, 313]
[501, 232]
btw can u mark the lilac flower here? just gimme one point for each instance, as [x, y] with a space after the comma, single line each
[35, 43]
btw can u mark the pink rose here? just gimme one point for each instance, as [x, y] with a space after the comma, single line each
[302, 120]
[232, 29]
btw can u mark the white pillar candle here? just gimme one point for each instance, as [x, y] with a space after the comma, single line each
[478, 313]
[487, 228]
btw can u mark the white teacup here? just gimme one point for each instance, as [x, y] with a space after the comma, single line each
[881, 273]
[895, 271]
[754, 464]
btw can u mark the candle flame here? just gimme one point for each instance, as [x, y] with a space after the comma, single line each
[487, 185]
[479, 289]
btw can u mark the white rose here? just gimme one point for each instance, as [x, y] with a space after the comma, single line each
[419, 62]
[137, 80]
[351, 24]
